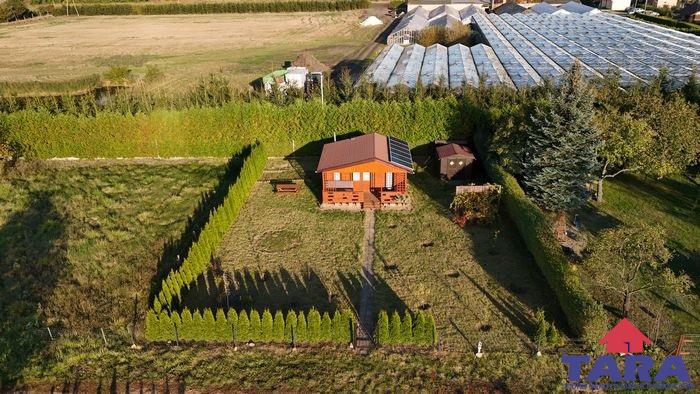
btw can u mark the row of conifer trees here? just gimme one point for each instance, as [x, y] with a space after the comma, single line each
[418, 329]
[222, 217]
[243, 327]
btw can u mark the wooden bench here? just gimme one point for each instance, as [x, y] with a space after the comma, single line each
[286, 188]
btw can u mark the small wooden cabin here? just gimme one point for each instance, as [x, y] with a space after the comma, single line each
[369, 171]
[455, 161]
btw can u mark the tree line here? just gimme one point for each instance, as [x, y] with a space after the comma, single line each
[250, 326]
[418, 329]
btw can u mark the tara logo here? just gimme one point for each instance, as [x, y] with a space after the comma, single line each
[624, 338]
[627, 340]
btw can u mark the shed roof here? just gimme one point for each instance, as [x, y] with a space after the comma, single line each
[367, 147]
[454, 150]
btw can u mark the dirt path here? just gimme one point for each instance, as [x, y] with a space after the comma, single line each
[365, 327]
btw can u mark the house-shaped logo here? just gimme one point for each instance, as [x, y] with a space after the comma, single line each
[624, 338]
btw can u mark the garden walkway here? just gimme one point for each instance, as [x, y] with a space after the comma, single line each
[365, 326]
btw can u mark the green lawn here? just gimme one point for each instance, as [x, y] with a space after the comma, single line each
[672, 204]
[480, 282]
[79, 245]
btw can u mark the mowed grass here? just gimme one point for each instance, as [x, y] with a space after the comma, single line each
[284, 252]
[183, 47]
[672, 204]
[480, 282]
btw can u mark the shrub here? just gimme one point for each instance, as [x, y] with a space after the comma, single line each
[420, 336]
[381, 331]
[301, 333]
[243, 328]
[266, 327]
[255, 332]
[232, 320]
[395, 329]
[187, 328]
[479, 207]
[153, 74]
[165, 327]
[208, 326]
[541, 328]
[12, 10]
[152, 326]
[198, 333]
[326, 328]
[338, 328]
[278, 327]
[314, 327]
[119, 74]
[348, 322]
[431, 330]
[222, 330]
[290, 326]
[407, 328]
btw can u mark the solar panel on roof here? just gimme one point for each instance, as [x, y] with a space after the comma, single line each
[399, 153]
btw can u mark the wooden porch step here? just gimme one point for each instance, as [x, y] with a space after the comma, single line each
[371, 201]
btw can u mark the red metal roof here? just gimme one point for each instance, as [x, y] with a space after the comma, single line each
[454, 150]
[354, 150]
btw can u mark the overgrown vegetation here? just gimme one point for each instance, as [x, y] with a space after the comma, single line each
[478, 206]
[12, 10]
[455, 34]
[418, 329]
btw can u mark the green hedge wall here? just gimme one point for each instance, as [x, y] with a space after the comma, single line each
[418, 329]
[678, 25]
[242, 327]
[220, 131]
[203, 8]
[585, 317]
[199, 255]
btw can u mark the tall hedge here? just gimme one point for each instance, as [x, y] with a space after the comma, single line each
[418, 329]
[135, 8]
[219, 131]
[585, 317]
[245, 326]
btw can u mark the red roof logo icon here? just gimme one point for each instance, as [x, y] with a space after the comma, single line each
[624, 338]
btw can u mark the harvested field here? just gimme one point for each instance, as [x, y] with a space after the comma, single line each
[183, 47]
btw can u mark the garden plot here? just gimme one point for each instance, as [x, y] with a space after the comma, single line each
[480, 282]
[285, 253]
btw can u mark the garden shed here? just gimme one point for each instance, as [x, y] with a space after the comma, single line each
[456, 160]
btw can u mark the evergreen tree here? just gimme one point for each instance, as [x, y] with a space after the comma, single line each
[255, 326]
[395, 329]
[381, 331]
[552, 335]
[177, 324]
[337, 327]
[562, 145]
[222, 332]
[198, 326]
[208, 326]
[152, 326]
[243, 328]
[541, 326]
[326, 328]
[187, 329]
[314, 326]
[278, 327]
[407, 328]
[165, 327]
[291, 325]
[431, 329]
[156, 306]
[302, 329]
[419, 333]
[266, 327]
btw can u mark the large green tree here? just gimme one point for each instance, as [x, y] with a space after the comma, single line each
[630, 260]
[645, 130]
[561, 145]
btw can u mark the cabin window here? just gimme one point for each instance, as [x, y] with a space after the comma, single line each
[355, 176]
[452, 162]
[460, 163]
[389, 180]
[336, 176]
[365, 176]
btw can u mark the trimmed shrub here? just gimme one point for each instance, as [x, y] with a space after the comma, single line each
[326, 334]
[290, 326]
[187, 328]
[301, 333]
[348, 322]
[232, 318]
[243, 328]
[314, 326]
[395, 336]
[338, 328]
[222, 330]
[420, 336]
[198, 327]
[152, 326]
[266, 327]
[381, 331]
[278, 327]
[208, 326]
[407, 328]
[255, 332]
[431, 330]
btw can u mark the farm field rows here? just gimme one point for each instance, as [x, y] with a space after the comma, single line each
[183, 47]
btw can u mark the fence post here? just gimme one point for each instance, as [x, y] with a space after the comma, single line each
[104, 338]
[50, 334]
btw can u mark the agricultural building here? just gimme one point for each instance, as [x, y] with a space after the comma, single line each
[528, 48]
[369, 171]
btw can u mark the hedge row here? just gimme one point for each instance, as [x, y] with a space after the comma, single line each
[584, 315]
[203, 8]
[199, 255]
[678, 25]
[220, 131]
[243, 326]
[411, 330]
